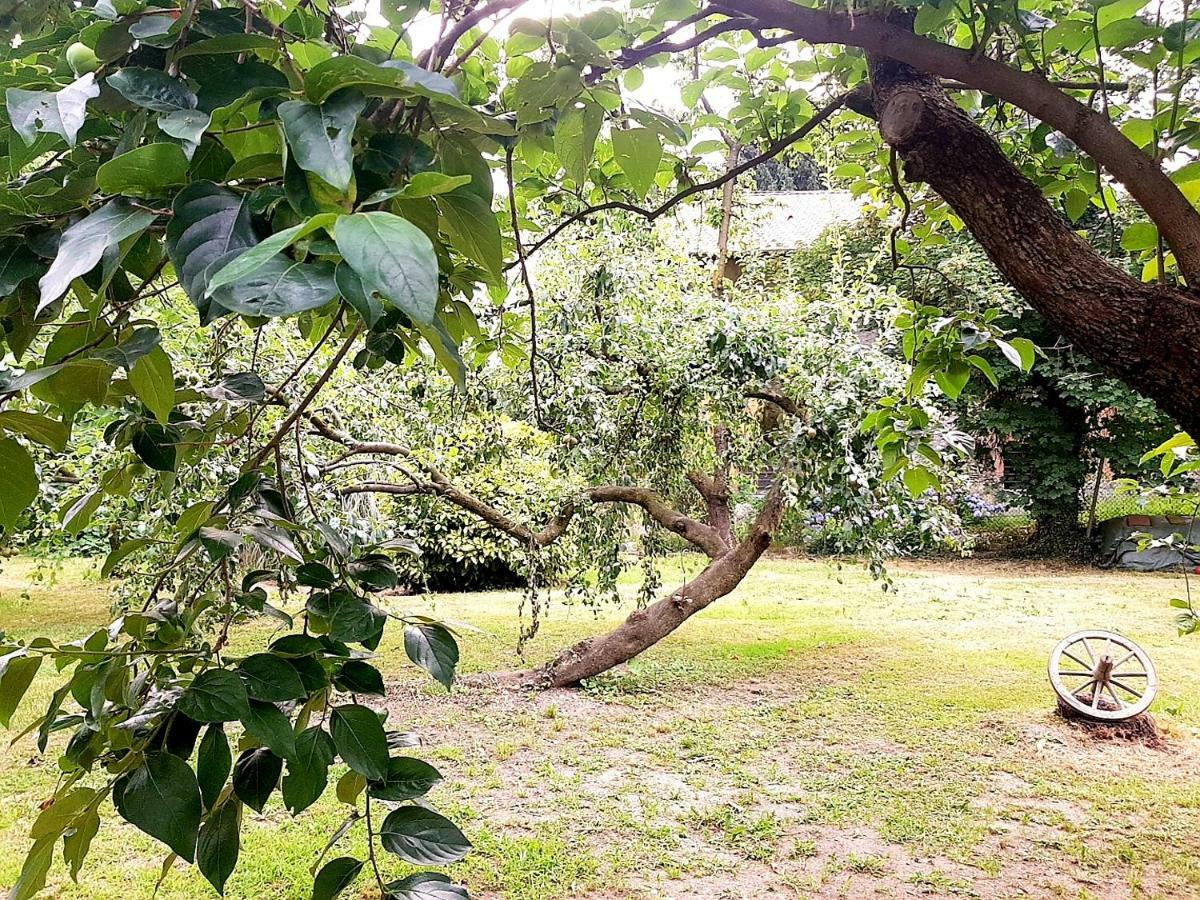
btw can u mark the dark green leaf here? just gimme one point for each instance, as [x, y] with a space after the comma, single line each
[335, 876]
[17, 670]
[210, 225]
[269, 677]
[307, 769]
[152, 89]
[217, 695]
[269, 726]
[146, 171]
[426, 886]
[349, 618]
[473, 229]
[421, 836]
[393, 258]
[280, 287]
[161, 798]
[213, 764]
[219, 844]
[321, 137]
[407, 779]
[360, 740]
[434, 649]
[155, 446]
[255, 776]
[19, 486]
[358, 677]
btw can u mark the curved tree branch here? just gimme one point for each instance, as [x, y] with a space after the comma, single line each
[702, 536]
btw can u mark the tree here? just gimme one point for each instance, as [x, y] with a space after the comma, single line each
[287, 161]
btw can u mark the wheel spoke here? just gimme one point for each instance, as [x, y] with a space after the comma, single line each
[1087, 648]
[1126, 687]
[1117, 700]
[1083, 674]
[1124, 659]
[1096, 696]
[1074, 658]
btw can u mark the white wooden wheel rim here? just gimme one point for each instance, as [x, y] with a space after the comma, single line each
[1131, 685]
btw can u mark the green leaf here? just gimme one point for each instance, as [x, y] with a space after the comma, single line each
[161, 798]
[360, 740]
[423, 184]
[17, 670]
[407, 779]
[638, 152]
[364, 302]
[985, 367]
[33, 871]
[152, 89]
[446, 351]
[331, 75]
[122, 552]
[61, 112]
[426, 886]
[217, 695]
[307, 770]
[76, 516]
[19, 486]
[1027, 352]
[146, 171]
[270, 727]
[17, 264]
[434, 649]
[321, 137]
[210, 226]
[155, 446]
[393, 258]
[421, 836]
[350, 618]
[473, 229]
[918, 480]
[575, 139]
[335, 876]
[153, 380]
[359, 677]
[40, 429]
[349, 786]
[220, 843]
[280, 287]
[83, 244]
[214, 762]
[1140, 236]
[269, 677]
[954, 378]
[255, 775]
[187, 125]
[250, 261]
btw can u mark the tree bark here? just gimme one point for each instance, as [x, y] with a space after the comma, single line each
[646, 627]
[1143, 333]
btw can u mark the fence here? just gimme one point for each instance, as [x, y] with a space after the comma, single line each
[995, 510]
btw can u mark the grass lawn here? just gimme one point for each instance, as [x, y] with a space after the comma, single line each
[807, 736]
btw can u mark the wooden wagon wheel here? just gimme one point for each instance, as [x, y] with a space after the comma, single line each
[1102, 675]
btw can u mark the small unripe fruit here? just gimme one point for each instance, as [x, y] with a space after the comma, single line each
[82, 59]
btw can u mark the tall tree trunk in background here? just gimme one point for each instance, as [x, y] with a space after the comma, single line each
[1143, 333]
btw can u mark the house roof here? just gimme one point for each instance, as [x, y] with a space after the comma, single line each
[765, 221]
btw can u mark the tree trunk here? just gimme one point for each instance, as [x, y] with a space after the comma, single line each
[1142, 333]
[646, 627]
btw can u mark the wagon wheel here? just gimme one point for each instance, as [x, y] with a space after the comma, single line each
[1102, 675]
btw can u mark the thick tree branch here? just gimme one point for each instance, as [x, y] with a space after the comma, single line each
[1142, 176]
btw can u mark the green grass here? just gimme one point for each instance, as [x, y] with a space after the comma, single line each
[808, 734]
